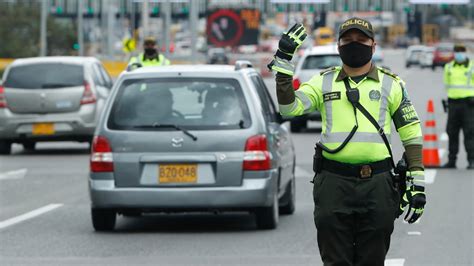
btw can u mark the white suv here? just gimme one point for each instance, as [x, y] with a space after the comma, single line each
[313, 61]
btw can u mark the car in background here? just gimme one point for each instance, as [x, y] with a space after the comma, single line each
[247, 49]
[426, 58]
[324, 36]
[203, 139]
[413, 54]
[443, 54]
[217, 56]
[312, 62]
[51, 99]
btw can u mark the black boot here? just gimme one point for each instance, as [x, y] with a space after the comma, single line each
[471, 165]
[450, 165]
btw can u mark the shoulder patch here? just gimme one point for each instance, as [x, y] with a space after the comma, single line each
[388, 72]
[327, 70]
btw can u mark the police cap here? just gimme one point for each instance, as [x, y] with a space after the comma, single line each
[459, 47]
[149, 41]
[359, 24]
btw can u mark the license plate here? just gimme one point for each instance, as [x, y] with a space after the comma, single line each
[177, 173]
[43, 129]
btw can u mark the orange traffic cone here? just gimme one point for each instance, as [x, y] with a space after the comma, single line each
[430, 140]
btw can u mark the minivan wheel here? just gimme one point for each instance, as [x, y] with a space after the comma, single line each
[29, 146]
[267, 217]
[290, 196]
[103, 219]
[5, 147]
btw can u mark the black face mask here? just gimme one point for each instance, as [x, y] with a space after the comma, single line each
[150, 51]
[355, 54]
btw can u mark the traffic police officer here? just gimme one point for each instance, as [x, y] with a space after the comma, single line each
[151, 56]
[459, 83]
[356, 200]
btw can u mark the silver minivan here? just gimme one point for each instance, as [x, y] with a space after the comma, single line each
[191, 138]
[51, 99]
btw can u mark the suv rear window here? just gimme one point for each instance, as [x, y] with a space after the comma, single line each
[321, 61]
[192, 103]
[45, 76]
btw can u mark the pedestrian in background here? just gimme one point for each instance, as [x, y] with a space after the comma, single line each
[459, 84]
[356, 201]
[151, 55]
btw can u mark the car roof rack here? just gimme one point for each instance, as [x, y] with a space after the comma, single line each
[240, 64]
[133, 66]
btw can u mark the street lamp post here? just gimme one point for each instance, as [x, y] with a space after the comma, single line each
[44, 17]
[80, 28]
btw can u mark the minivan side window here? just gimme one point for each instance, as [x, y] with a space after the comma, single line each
[265, 99]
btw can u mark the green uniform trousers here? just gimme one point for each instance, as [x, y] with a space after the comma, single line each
[461, 116]
[354, 218]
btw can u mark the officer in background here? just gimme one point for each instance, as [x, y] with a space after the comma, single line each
[356, 201]
[459, 83]
[151, 56]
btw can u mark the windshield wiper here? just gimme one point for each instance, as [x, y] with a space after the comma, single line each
[157, 125]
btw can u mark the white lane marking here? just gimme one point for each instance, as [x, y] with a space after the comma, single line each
[441, 153]
[444, 137]
[16, 174]
[430, 176]
[414, 233]
[28, 215]
[300, 172]
[394, 262]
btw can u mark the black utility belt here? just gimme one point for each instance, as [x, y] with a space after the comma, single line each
[461, 100]
[362, 171]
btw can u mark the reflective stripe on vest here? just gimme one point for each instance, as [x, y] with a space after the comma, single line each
[386, 89]
[367, 137]
[327, 87]
[304, 100]
[464, 87]
[370, 137]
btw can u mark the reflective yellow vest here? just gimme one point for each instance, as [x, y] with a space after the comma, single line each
[160, 61]
[459, 80]
[385, 99]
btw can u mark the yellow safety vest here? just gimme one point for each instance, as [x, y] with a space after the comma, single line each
[459, 80]
[382, 95]
[160, 61]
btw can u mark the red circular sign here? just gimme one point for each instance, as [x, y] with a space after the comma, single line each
[226, 40]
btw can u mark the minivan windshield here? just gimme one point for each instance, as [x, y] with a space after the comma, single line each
[45, 76]
[190, 103]
[321, 61]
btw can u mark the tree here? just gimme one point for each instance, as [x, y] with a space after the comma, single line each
[20, 31]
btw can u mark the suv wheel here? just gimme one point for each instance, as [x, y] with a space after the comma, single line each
[290, 195]
[5, 147]
[267, 217]
[297, 125]
[103, 219]
[29, 146]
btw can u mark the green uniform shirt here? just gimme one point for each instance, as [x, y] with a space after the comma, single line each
[146, 62]
[381, 93]
[459, 80]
